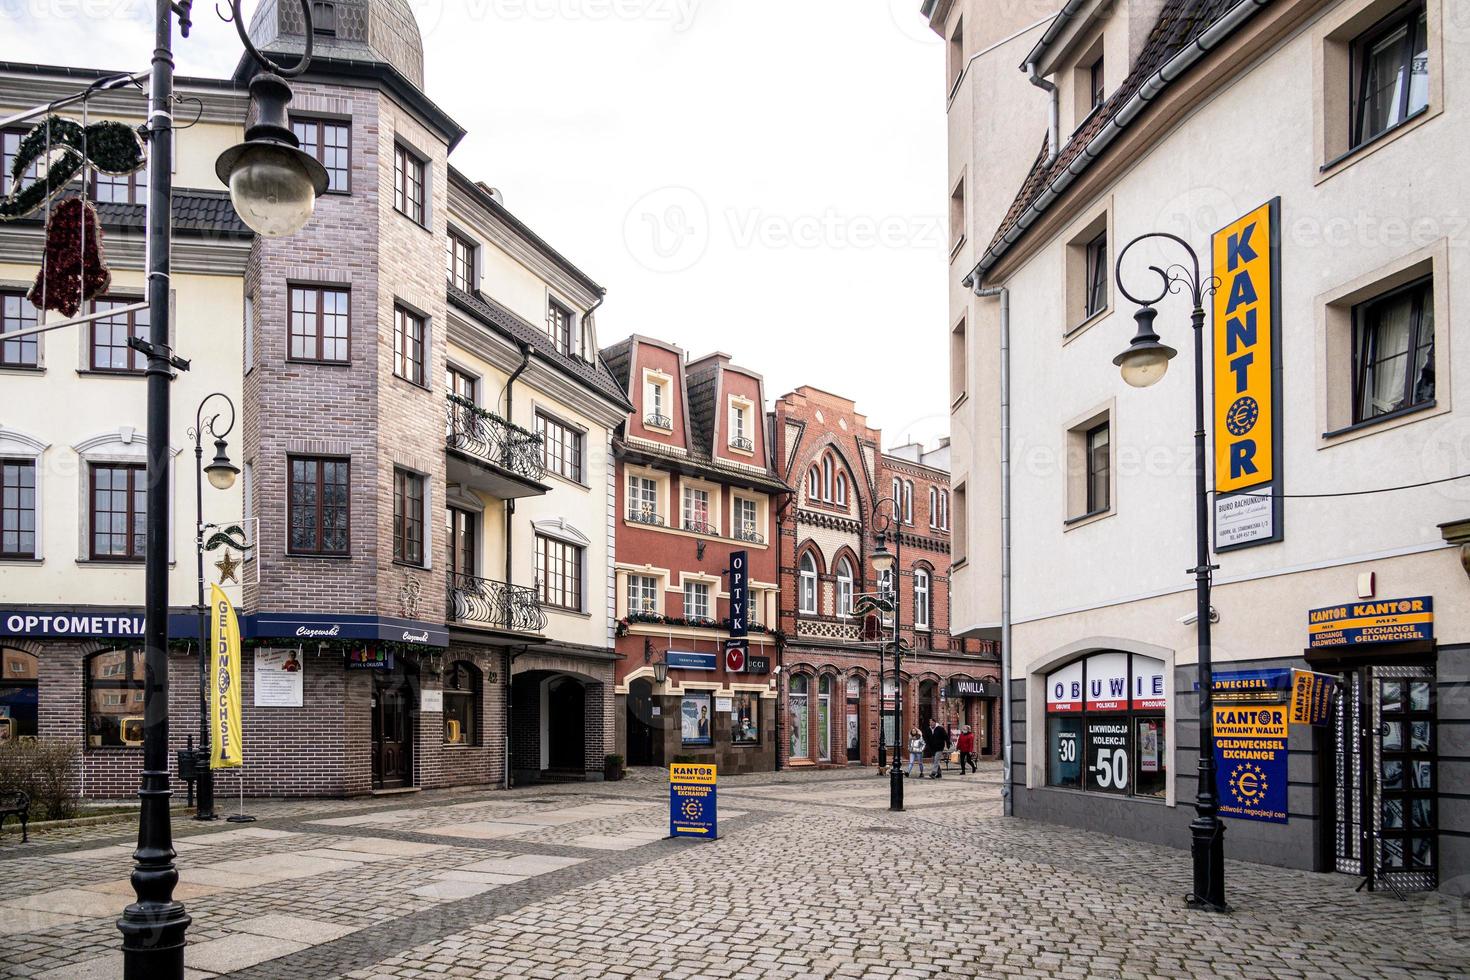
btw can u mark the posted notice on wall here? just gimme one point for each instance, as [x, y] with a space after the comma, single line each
[279, 676]
[1244, 518]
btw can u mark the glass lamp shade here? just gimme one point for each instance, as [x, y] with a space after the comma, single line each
[882, 559]
[660, 671]
[1142, 368]
[272, 189]
[221, 471]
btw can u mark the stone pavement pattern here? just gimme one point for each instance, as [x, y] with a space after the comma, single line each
[812, 877]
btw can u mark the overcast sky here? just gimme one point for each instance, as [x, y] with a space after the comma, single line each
[762, 177]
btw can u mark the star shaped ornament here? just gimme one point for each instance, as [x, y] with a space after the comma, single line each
[228, 565]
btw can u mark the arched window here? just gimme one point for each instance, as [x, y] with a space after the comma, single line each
[908, 501]
[813, 484]
[842, 489]
[944, 509]
[462, 704]
[115, 698]
[18, 694]
[808, 591]
[844, 587]
[824, 719]
[1105, 725]
[934, 507]
[797, 707]
[897, 498]
[827, 478]
[923, 604]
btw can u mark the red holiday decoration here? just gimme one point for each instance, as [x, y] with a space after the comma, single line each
[75, 270]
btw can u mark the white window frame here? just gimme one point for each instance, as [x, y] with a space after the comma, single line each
[923, 599]
[695, 595]
[686, 516]
[841, 495]
[737, 517]
[639, 488]
[646, 590]
[807, 592]
[844, 587]
[908, 502]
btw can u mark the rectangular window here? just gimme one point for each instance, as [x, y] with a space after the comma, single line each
[126, 189]
[696, 510]
[559, 572]
[957, 214]
[331, 144]
[642, 594]
[745, 719]
[1064, 751]
[319, 323]
[959, 354]
[119, 511]
[745, 517]
[17, 508]
[696, 724]
[324, 18]
[408, 185]
[561, 447]
[460, 383]
[461, 703]
[1390, 72]
[17, 313]
[318, 504]
[461, 258]
[643, 499]
[408, 517]
[459, 526]
[696, 600]
[1150, 743]
[739, 422]
[408, 345]
[115, 699]
[9, 150]
[957, 54]
[1096, 297]
[1095, 78]
[1099, 469]
[110, 351]
[1393, 352]
[559, 326]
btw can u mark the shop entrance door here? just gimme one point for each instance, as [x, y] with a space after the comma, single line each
[854, 732]
[394, 706]
[640, 727]
[1385, 783]
[566, 725]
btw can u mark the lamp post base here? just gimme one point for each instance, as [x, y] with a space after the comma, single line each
[1208, 851]
[895, 789]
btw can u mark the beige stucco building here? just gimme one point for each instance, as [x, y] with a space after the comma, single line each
[1075, 129]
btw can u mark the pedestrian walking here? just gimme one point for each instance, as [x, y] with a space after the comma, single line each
[938, 742]
[966, 745]
[916, 752]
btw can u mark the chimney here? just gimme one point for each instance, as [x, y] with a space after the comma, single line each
[494, 192]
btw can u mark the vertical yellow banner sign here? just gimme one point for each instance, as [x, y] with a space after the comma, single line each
[226, 739]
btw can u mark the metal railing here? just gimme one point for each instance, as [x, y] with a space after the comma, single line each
[750, 535]
[470, 429]
[496, 605]
[701, 527]
[646, 516]
[658, 421]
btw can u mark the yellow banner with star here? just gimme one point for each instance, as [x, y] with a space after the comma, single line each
[225, 735]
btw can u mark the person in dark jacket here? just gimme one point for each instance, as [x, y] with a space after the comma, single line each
[937, 743]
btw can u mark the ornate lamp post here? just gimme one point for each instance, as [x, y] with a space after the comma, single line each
[885, 564]
[1143, 364]
[153, 927]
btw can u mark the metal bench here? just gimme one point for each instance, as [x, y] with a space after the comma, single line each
[14, 803]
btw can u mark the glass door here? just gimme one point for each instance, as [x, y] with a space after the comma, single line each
[1405, 778]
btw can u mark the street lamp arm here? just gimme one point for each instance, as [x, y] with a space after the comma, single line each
[1174, 277]
[236, 17]
[203, 425]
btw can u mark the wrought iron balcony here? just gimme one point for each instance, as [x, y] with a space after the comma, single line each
[658, 421]
[744, 445]
[490, 440]
[645, 516]
[489, 604]
[749, 534]
[701, 527]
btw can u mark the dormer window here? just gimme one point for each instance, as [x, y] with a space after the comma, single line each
[657, 403]
[1095, 79]
[324, 19]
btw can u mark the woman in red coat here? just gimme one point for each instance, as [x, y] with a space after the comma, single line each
[966, 744]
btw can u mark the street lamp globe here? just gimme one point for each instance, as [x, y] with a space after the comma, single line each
[882, 559]
[273, 184]
[1145, 360]
[221, 471]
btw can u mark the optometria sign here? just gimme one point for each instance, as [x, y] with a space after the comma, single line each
[1247, 377]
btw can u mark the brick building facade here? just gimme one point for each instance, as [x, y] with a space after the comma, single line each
[847, 491]
[697, 495]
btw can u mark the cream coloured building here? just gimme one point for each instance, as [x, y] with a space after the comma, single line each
[1075, 129]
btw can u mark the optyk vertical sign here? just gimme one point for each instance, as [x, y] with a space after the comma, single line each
[1247, 375]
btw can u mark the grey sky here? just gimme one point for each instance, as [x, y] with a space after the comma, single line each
[763, 177]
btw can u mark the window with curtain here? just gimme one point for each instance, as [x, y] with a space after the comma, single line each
[1391, 72]
[643, 499]
[1393, 351]
[462, 704]
[697, 600]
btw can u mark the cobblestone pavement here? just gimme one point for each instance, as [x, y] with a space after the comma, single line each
[812, 877]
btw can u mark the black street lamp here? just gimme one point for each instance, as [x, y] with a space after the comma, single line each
[1143, 364]
[153, 927]
[885, 564]
[221, 473]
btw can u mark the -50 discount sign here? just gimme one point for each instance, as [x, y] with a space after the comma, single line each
[1108, 761]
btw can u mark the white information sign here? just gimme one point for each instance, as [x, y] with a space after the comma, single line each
[431, 701]
[278, 678]
[1244, 517]
[724, 705]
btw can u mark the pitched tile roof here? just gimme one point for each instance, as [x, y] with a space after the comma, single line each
[701, 390]
[1180, 23]
[594, 375]
[196, 212]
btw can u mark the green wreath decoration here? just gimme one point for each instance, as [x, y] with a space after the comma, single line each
[112, 148]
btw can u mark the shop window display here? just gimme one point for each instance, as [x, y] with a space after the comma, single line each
[1105, 729]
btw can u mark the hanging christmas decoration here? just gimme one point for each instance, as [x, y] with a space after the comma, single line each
[56, 150]
[74, 269]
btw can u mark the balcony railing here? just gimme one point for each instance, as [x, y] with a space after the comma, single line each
[650, 517]
[490, 604]
[658, 421]
[701, 527]
[490, 438]
[744, 445]
[750, 535]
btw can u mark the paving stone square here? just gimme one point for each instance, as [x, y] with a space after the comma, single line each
[811, 876]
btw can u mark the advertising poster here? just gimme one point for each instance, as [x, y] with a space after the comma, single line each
[693, 801]
[1250, 760]
[279, 678]
[225, 734]
[1312, 695]
[1108, 763]
[745, 719]
[695, 723]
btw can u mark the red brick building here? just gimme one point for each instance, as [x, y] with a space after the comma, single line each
[847, 490]
[696, 489]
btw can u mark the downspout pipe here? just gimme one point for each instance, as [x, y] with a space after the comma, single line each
[1053, 112]
[1152, 87]
[1004, 294]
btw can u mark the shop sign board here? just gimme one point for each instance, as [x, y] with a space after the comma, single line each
[1246, 334]
[1064, 689]
[369, 658]
[1250, 760]
[1107, 682]
[693, 803]
[758, 665]
[1372, 621]
[964, 687]
[1148, 683]
[279, 676]
[1311, 697]
[737, 654]
[691, 660]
